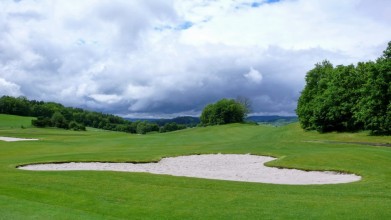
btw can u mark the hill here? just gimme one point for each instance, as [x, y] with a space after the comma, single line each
[273, 119]
[193, 121]
[189, 121]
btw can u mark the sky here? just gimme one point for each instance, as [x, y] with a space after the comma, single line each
[167, 58]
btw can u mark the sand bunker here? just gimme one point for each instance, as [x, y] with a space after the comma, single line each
[247, 168]
[12, 139]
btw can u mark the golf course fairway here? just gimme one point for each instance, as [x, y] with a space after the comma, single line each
[121, 195]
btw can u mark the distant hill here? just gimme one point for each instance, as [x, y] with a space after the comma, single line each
[189, 121]
[193, 121]
[273, 119]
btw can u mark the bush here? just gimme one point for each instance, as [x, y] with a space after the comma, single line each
[224, 111]
[76, 126]
[168, 127]
[41, 122]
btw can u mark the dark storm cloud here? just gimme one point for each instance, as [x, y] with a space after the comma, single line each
[168, 58]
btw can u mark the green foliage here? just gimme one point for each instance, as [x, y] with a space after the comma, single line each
[171, 127]
[225, 111]
[310, 97]
[143, 127]
[246, 104]
[16, 106]
[375, 111]
[59, 121]
[348, 98]
[76, 126]
[50, 114]
[41, 122]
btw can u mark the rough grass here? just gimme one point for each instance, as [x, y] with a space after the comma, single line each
[116, 195]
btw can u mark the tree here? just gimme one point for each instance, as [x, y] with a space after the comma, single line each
[41, 122]
[76, 126]
[375, 105]
[172, 126]
[308, 109]
[246, 103]
[335, 107]
[224, 111]
[14, 106]
[58, 120]
[348, 98]
[141, 127]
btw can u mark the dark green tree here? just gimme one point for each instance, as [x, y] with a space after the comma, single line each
[246, 103]
[172, 126]
[334, 110]
[308, 109]
[59, 121]
[41, 122]
[141, 127]
[224, 111]
[348, 98]
[375, 105]
[76, 126]
[15, 106]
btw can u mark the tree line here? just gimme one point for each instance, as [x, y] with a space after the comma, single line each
[348, 98]
[51, 114]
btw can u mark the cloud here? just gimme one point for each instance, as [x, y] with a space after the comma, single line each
[168, 58]
[9, 88]
[105, 98]
[254, 76]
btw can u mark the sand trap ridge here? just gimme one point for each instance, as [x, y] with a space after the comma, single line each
[12, 139]
[247, 168]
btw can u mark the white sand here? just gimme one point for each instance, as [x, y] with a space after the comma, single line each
[12, 139]
[247, 168]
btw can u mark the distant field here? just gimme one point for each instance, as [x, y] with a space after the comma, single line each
[116, 195]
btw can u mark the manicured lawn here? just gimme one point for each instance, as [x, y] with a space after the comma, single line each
[12, 121]
[116, 195]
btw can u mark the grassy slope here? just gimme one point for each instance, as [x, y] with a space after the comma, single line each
[105, 195]
[12, 121]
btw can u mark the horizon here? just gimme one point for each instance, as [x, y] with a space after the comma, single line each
[181, 116]
[164, 59]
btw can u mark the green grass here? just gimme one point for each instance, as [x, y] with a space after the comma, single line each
[117, 195]
[12, 121]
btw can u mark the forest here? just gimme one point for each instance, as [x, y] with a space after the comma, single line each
[51, 114]
[348, 98]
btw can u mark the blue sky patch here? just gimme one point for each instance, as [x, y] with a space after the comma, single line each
[258, 4]
[272, 1]
[182, 26]
[185, 25]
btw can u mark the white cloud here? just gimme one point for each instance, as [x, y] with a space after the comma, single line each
[9, 88]
[298, 24]
[133, 57]
[254, 76]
